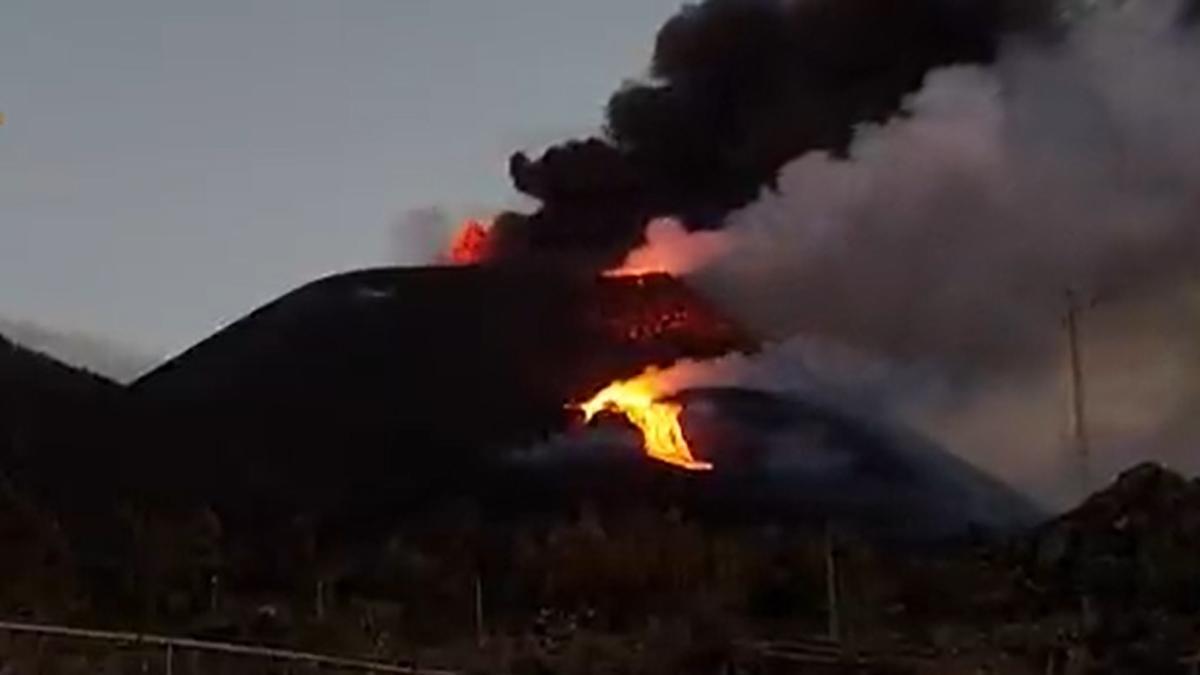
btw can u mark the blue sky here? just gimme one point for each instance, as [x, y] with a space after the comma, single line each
[168, 165]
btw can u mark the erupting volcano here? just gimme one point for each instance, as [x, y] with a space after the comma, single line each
[639, 400]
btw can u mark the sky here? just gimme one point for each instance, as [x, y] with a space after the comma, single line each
[166, 166]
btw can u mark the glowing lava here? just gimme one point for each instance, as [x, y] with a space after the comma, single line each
[637, 400]
[670, 248]
[627, 271]
[471, 244]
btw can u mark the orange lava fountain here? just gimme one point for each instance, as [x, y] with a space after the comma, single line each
[662, 435]
[471, 244]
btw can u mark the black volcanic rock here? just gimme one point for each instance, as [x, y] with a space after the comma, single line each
[384, 385]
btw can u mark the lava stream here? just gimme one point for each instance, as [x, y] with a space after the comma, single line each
[662, 435]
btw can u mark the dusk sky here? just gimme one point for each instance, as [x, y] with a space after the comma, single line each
[167, 166]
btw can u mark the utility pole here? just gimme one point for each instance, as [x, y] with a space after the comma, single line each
[214, 592]
[831, 586]
[480, 634]
[1077, 393]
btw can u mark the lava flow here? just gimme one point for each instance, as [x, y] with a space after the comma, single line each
[662, 435]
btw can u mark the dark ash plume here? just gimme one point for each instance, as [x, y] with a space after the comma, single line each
[736, 89]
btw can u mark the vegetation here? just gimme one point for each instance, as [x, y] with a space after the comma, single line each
[591, 590]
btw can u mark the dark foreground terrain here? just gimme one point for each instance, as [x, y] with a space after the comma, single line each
[381, 465]
[1109, 587]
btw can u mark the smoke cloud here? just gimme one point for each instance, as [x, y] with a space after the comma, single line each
[420, 236]
[941, 247]
[737, 88]
[671, 248]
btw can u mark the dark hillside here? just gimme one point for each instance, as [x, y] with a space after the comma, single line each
[383, 384]
[58, 424]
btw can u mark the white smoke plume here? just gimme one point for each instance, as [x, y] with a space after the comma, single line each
[671, 248]
[944, 246]
[420, 235]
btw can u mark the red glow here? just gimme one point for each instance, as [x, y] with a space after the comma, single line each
[472, 243]
[670, 248]
[628, 271]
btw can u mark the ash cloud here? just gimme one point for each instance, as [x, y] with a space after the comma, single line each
[942, 244]
[739, 87]
[956, 230]
[736, 89]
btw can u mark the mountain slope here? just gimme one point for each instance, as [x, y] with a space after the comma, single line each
[57, 423]
[384, 384]
[778, 459]
[79, 350]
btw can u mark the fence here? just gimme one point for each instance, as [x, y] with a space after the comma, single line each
[170, 645]
[825, 652]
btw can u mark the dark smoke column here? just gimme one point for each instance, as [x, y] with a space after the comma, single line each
[738, 88]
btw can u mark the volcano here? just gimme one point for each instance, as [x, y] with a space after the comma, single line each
[383, 385]
[384, 392]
